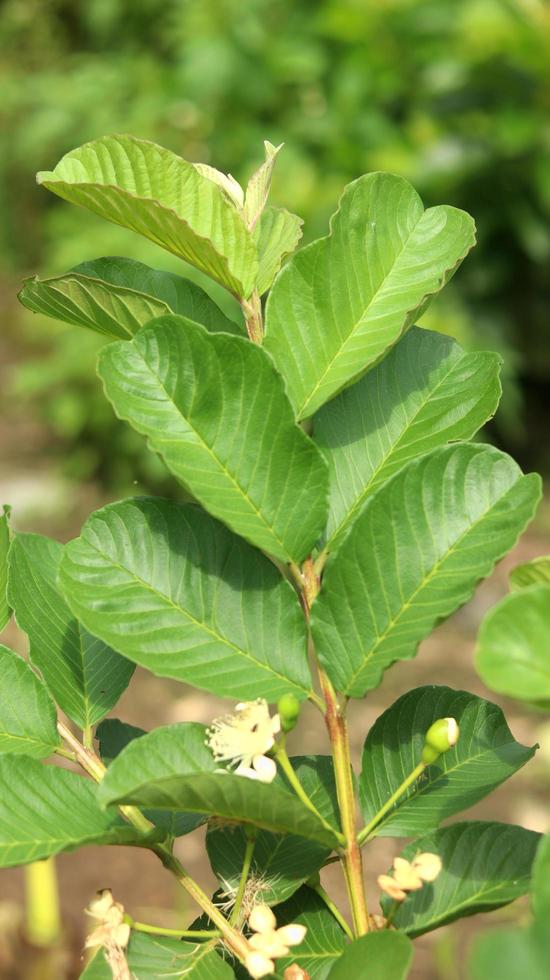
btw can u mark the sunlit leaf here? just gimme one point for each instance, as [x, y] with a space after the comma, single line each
[27, 713]
[376, 956]
[343, 301]
[414, 555]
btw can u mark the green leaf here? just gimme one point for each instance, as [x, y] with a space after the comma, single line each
[485, 755]
[535, 572]
[153, 957]
[28, 720]
[215, 409]
[234, 798]
[152, 191]
[485, 866]
[45, 810]
[425, 393]
[280, 864]
[85, 676]
[5, 538]
[376, 956]
[116, 297]
[174, 591]
[511, 954]
[540, 886]
[324, 941]
[276, 235]
[414, 555]
[343, 301]
[172, 750]
[258, 187]
[512, 648]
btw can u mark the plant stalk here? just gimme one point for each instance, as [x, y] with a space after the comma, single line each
[367, 832]
[338, 733]
[285, 764]
[234, 918]
[252, 309]
[174, 933]
[325, 897]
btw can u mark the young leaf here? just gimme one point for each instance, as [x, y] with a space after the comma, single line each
[376, 956]
[116, 297]
[425, 393]
[512, 648]
[85, 676]
[45, 810]
[152, 191]
[343, 301]
[280, 864]
[174, 591]
[414, 555]
[485, 866]
[214, 407]
[485, 755]
[172, 750]
[276, 235]
[535, 572]
[153, 957]
[5, 538]
[27, 713]
[234, 798]
[257, 190]
[324, 940]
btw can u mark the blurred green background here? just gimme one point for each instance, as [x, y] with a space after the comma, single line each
[453, 94]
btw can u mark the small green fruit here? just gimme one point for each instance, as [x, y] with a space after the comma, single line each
[289, 711]
[440, 737]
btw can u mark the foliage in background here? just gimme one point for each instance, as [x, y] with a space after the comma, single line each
[453, 96]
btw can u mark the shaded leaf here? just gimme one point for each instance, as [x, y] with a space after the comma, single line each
[485, 866]
[414, 555]
[5, 538]
[215, 409]
[152, 191]
[117, 296]
[28, 721]
[343, 301]
[535, 572]
[512, 654]
[280, 864]
[425, 393]
[276, 235]
[172, 750]
[85, 676]
[376, 956]
[485, 755]
[235, 798]
[45, 810]
[152, 957]
[113, 736]
[174, 591]
[540, 886]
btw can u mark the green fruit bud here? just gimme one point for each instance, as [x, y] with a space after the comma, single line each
[289, 711]
[440, 737]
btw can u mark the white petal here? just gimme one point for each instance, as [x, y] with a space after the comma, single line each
[292, 934]
[266, 768]
[276, 724]
[243, 770]
[262, 919]
[259, 965]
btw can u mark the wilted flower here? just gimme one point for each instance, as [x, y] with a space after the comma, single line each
[111, 932]
[244, 738]
[268, 942]
[409, 876]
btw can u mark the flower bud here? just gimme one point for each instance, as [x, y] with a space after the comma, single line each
[440, 737]
[289, 711]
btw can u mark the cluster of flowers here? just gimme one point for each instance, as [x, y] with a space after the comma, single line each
[409, 876]
[269, 943]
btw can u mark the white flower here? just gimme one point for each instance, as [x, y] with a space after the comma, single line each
[244, 738]
[427, 866]
[410, 876]
[268, 942]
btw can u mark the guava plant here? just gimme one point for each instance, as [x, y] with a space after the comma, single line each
[332, 513]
